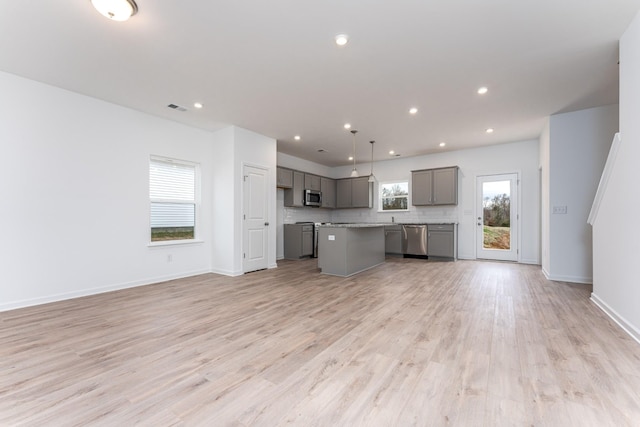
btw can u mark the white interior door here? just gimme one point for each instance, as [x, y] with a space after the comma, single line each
[256, 221]
[497, 217]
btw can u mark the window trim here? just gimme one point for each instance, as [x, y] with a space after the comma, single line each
[381, 184]
[196, 202]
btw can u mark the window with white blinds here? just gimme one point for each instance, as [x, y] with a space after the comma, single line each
[172, 192]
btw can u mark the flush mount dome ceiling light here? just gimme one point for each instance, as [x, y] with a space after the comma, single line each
[342, 39]
[116, 10]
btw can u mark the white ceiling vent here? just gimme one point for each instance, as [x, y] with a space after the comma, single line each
[176, 107]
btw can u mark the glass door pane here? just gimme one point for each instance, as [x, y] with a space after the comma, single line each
[496, 215]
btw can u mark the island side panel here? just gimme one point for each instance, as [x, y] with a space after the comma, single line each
[344, 251]
[332, 253]
[365, 248]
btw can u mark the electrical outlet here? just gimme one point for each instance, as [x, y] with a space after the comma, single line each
[559, 210]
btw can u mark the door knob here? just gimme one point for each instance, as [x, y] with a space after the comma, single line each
[266, 223]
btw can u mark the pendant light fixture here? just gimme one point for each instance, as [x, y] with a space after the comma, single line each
[371, 177]
[116, 10]
[354, 172]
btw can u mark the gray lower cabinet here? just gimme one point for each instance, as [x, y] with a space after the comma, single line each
[441, 240]
[284, 178]
[433, 187]
[298, 240]
[354, 193]
[393, 239]
[294, 196]
[328, 188]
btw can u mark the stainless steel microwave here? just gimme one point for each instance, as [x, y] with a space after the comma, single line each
[312, 198]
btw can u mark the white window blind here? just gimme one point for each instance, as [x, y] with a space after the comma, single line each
[172, 192]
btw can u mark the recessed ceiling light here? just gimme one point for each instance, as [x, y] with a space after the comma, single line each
[442, 144]
[116, 10]
[350, 158]
[483, 90]
[392, 152]
[198, 105]
[490, 130]
[413, 110]
[347, 125]
[297, 137]
[342, 39]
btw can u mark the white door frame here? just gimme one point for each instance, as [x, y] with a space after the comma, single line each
[248, 262]
[496, 254]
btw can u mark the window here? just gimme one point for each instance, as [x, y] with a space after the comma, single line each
[172, 193]
[394, 196]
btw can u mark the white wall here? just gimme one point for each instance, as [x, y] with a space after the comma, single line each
[292, 162]
[521, 157]
[578, 148]
[75, 190]
[225, 247]
[75, 199]
[616, 236]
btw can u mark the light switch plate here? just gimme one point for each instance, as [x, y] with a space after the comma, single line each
[332, 237]
[559, 210]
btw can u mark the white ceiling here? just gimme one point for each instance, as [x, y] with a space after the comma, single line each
[273, 67]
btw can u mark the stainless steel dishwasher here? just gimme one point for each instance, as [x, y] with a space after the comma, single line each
[414, 239]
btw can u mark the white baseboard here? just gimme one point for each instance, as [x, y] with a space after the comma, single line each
[621, 321]
[571, 279]
[93, 291]
[530, 261]
[230, 273]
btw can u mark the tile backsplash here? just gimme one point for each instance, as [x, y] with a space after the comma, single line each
[417, 214]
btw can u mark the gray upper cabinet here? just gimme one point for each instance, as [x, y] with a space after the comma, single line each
[360, 192]
[353, 193]
[294, 196]
[328, 188]
[421, 184]
[312, 182]
[284, 178]
[431, 187]
[343, 193]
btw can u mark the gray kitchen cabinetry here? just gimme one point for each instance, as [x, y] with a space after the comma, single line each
[353, 193]
[393, 239]
[298, 240]
[284, 178]
[441, 240]
[328, 188]
[311, 182]
[432, 187]
[294, 196]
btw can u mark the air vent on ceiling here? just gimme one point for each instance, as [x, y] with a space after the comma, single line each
[176, 107]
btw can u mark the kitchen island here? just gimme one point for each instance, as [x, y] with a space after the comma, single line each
[347, 249]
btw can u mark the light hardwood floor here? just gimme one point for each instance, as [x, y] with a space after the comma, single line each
[407, 343]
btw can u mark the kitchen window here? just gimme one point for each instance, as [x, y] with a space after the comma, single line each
[173, 196]
[394, 196]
